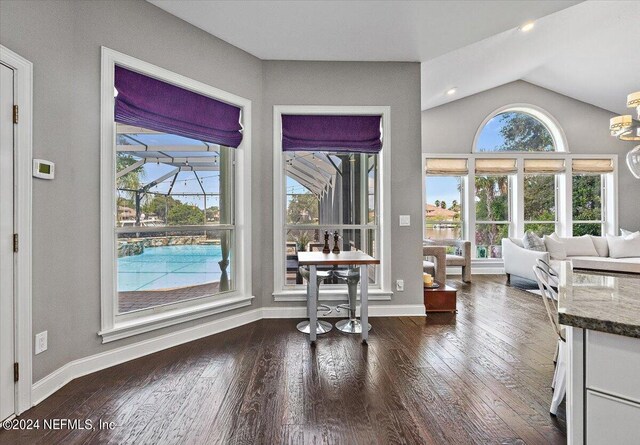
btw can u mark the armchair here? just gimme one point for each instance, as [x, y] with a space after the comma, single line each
[437, 268]
[461, 256]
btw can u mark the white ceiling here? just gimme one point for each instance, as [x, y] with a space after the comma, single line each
[355, 30]
[584, 50]
[588, 52]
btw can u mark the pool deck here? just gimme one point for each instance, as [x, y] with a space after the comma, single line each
[136, 300]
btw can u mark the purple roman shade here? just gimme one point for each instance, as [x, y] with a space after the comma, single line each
[331, 133]
[150, 103]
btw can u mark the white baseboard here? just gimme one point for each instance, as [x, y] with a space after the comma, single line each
[487, 270]
[46, 386]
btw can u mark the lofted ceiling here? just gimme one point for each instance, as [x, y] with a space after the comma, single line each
[584, 50]
[588, 52]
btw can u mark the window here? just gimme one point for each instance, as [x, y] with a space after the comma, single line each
[322, 183]
[443, 207]
[540, 201]
[334, 192]
[520, 178]
[519, 128]
[587, 205]
[175, 220]
[493, 214]
[175, 198]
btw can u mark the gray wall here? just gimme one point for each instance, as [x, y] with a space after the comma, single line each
[63, 40]
[451, 128]
[358, 83]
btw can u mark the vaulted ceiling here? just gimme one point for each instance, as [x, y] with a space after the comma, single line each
[584, 50]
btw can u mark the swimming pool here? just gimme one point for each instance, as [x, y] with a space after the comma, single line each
[168, 267]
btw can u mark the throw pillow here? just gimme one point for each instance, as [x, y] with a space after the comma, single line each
[532, 241]
[624, 246]
[555, 248]
[624, 232]
[601, 245]
[577, 245]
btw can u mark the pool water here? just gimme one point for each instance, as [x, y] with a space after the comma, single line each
[169, 267]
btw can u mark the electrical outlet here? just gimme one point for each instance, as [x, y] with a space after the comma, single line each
[400, 285]
[405, 220]
[41, 342]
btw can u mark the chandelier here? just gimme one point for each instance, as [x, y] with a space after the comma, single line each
[624, 128]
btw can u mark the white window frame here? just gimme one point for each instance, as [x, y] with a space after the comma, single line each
[552, 125]
[113, 325]
[556, 194]
[564, 211]
[381, 291]
[462, 203]
[604, 199]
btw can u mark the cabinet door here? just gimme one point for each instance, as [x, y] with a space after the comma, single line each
[613, 365]
[611, 420]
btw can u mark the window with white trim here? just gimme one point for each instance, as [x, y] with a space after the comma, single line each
[330, 192]
[523, 180]
[316, 191]
[175, 198]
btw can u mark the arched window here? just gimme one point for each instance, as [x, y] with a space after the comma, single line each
[519, 129]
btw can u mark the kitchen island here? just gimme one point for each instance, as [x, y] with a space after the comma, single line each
[602, 318]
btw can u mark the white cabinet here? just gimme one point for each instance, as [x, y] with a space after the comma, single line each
[611, 420]
[613, 364]
[603, 390]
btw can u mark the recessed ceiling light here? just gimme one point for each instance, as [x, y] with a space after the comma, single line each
[527, 26]
[451, 91]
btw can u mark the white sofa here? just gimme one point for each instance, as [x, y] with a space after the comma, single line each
[519, 261]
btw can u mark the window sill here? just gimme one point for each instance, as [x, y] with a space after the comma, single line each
[329, 295]
[129, 328]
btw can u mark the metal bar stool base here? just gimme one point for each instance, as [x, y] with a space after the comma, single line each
[349, 326]
[322, 328]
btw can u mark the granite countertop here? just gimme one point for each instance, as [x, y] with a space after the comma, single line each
[599, 302]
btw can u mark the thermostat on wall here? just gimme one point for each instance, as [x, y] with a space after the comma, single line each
[43, 169]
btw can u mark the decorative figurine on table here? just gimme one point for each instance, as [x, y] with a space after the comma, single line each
[326, 248]
[336, 242]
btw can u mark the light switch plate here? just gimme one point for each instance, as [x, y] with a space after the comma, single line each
[41, 342]
[400, 285]
[405, 220]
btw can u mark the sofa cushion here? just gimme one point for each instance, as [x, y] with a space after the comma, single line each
[577, 245]
[556, 249]
[455, 260]
[517, 241]
[626, 265]
[601, 245]
[532, 241]
[624, 246]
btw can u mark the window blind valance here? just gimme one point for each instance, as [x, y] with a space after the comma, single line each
[445, 166]
[543, 165]
[496, 166]
[592, 166]
[347, 133]
[150, 103]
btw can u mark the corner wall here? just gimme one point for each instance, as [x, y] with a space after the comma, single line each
[451, 128]
[63, 39]
[359, 83]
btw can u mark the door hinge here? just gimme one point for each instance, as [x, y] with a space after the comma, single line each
[15, 114]
[15, 242]
[16, 372]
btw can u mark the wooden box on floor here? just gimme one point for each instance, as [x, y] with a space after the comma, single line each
[441, 299]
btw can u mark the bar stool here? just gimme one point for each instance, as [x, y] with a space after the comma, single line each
[323, 326]
[350, 325]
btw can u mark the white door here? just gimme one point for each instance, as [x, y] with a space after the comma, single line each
[7, 344]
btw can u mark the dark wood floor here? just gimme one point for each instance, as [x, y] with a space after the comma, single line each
[481, 376]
